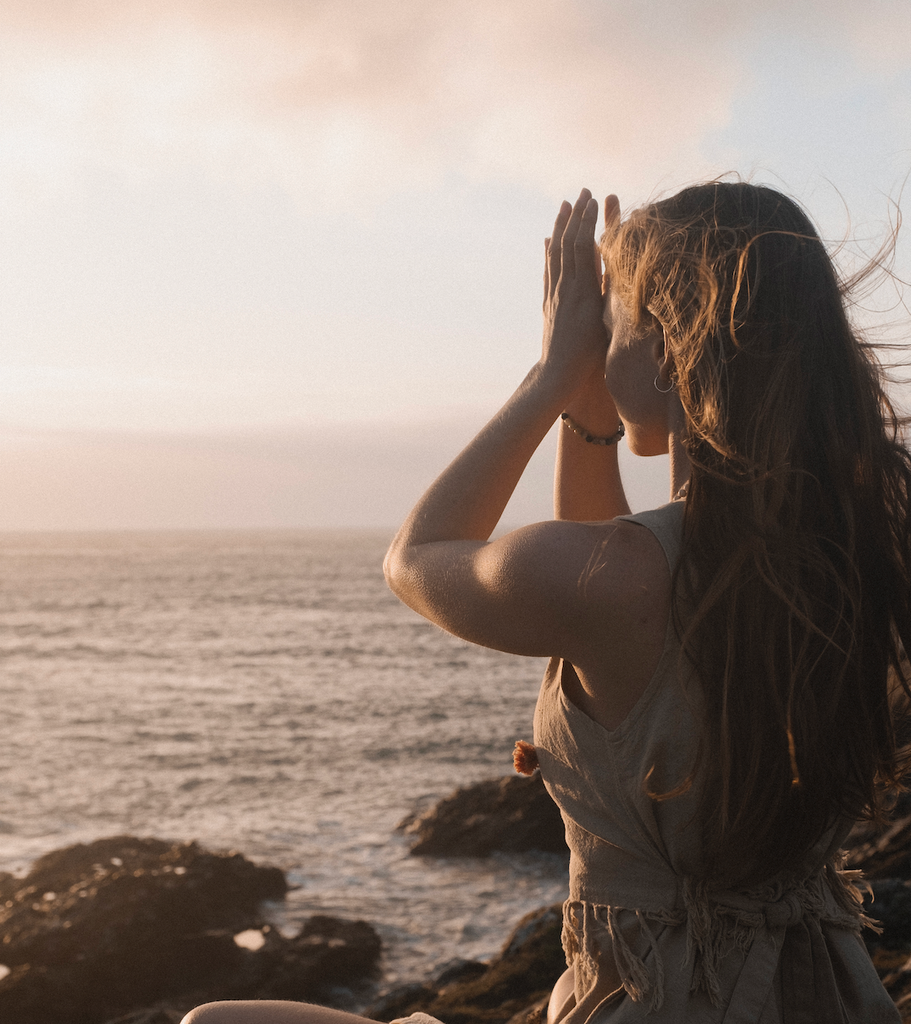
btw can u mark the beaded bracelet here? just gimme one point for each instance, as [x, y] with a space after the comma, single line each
[591, 438]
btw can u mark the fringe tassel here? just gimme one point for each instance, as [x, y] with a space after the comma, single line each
[846, 887]
[580, 942]
[525, 758]
[633, 972]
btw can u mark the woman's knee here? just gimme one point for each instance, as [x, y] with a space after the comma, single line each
[563, 992]
[229, 1012]
[267, 1011]
[205, 1014]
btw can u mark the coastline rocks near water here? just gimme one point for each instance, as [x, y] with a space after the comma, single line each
[513, 987]
[103, 931]
[512, 814]
[136, 931]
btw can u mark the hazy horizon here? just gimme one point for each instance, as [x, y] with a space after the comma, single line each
[269, 479]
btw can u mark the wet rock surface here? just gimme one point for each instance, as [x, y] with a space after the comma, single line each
[509, 814]
[884, 856]
[515, 984]
[883, 851]
[139, 930]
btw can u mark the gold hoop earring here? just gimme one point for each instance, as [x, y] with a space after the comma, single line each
[664, 391]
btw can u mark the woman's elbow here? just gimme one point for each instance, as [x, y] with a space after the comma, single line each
[406, 577]
[396, 570]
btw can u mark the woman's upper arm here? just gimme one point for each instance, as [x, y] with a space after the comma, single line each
[535, 591]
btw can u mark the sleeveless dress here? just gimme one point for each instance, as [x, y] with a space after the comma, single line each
[647, 942]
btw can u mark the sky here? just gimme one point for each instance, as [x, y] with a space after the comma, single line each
[272, 263]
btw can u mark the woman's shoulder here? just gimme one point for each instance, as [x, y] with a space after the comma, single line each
[617, 550]
[616, 573]
[666, 525]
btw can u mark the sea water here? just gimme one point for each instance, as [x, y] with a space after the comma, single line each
[262, 692]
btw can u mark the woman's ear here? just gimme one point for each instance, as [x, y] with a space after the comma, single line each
[664, 361]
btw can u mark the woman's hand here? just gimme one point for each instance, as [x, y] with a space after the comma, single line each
[575, 337]
[587, 484]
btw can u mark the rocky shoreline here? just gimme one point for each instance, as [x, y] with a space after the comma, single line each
[136, 931]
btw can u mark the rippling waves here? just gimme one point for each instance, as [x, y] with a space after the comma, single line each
[263, 692]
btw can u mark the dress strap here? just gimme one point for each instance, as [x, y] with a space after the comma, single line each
[666, 523]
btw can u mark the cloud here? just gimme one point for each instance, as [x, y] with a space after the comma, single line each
[351, 95]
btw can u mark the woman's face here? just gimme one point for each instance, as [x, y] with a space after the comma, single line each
[633, 361]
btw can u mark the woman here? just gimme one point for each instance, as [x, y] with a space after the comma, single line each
[726, 690]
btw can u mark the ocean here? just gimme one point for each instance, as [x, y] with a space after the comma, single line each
[261, 692]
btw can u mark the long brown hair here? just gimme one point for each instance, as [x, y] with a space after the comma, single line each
[793, 592]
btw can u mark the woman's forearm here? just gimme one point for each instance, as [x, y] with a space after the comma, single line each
[587, 484]
[466, 501]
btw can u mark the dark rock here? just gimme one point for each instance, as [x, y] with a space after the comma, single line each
[534, 1014]
[402, 1000]
[514, 986]
[883, 851]
[457, 970]
[894, 968]
[890, 905]
[327, 954]
[126, 926]
[509, 814]
[144, 893]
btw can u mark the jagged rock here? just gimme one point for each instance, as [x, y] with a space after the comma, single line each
[515, 985]
[127, 926]
[457, 970]
[402, 1000]
[125, 894]
[889, 903]
[894, 969]
[884, 856]
[534, 1014]
[884, 852]
[510, 814]
[325, 955]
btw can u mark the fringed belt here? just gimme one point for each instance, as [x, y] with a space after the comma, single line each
[753, 921]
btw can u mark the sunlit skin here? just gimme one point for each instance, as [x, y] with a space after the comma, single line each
[520, 593]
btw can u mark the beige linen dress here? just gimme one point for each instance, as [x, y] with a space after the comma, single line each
[646, 941]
